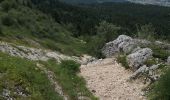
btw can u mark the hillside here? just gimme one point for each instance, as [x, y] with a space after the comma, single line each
[153, 2]
[145, 2]
[51, 50]
[89, 1]
[24, 25]
[84, 18]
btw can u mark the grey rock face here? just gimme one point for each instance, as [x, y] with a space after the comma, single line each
[33, 53]
[148, 72]
[141, 70]
[6, 94]
[122, 44]
[135, 60]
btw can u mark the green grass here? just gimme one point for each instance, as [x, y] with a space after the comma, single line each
[66, 74]
[158, 51]
[122, 59]
[24, 73]
[151, 62]
[69, 47]
[161, 89]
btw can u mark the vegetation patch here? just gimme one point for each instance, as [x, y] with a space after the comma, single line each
[72, 84]
[158, 52]
[161, 89]
[151, 62]
[122, 59]
[23, 73]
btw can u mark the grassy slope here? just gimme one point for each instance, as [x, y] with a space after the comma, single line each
[20, 72]
[20, 23]
[66, 74]
[17, 71]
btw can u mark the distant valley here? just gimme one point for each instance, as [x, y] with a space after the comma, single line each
[152, 2]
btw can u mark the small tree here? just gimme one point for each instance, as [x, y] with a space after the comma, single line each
[95, 46]
[8, 20]
[1, 29]
[161, 89]
[146, 32]
[107, 31]
[8, 4]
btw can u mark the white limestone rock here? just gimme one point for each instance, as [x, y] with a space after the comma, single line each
[122, 44]
[137, 59]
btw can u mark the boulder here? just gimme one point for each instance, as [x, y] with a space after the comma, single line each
[126, 46]
[85, 59]
[122, 44]
[141, 70]
[148, 72]
[137, 59]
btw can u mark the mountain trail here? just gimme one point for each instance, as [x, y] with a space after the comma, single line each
[108, 80]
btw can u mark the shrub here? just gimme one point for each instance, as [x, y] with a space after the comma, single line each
[95, 45]
[8, 4]
[1, 29]
[151, 62]
[7, 20]
[108, 31]
[162, 54]
[122, 59]
[161, 90]
[70, 65]
[159, 52]
[146, 32]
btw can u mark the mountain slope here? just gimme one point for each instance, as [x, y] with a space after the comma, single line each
[90, 1]
[22, 23]
[153, 2]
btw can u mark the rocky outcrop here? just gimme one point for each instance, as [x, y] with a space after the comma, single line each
[122, 44]
[85, 59]
[136, 56]
[40, 54]
[137, 59]
[34, 53]
[148, 72]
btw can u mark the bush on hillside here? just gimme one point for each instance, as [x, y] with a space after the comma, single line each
[122, 59]
[146, 32]
[1, 29]
[8, 4]
[108, 31]
[70, 65]
[158, 51]
[7, 20]
[95, 45]
[150, 62]
[161, 90]
[162, 54]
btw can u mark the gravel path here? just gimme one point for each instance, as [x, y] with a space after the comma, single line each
[108, 81]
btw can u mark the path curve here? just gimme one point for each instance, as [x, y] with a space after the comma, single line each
[108, 80]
